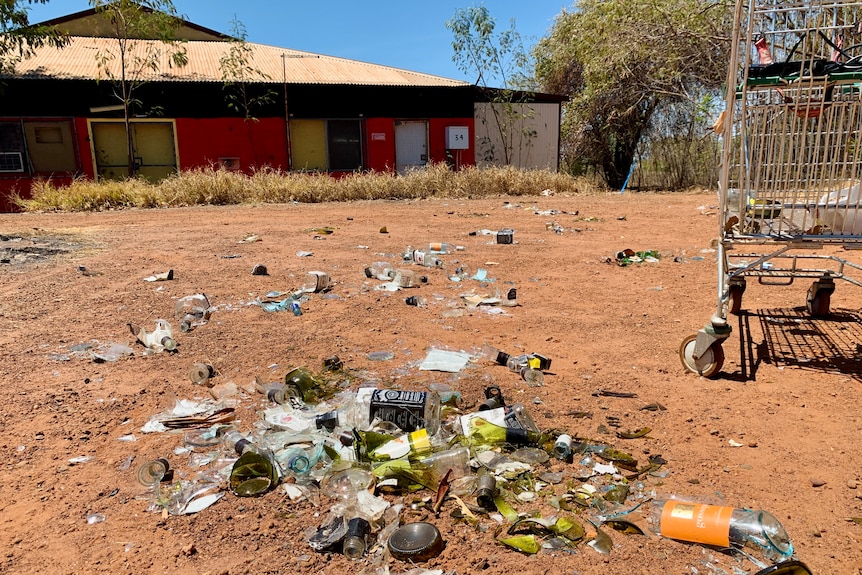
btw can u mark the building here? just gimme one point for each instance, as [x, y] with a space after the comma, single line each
[240, 106]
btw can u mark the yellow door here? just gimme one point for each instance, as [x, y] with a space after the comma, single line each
[308, 145]
[154, 153]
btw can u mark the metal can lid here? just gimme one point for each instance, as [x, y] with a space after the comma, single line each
[418, 541]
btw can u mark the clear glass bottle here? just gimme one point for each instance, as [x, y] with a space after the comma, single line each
[356, 541]
[525, 366]
[161, 338]
[721, 526]
[442, 248]
[200, 373]
[192, 311]
[455, 461]
[316, 282]
[153, 472]
[274, 391]
[493, 355]
[533, 377]
[404, 278]
[424, 259]
[510, 299]
[416, 301]
[382, 271]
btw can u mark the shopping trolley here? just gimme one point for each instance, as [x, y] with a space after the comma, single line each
[790, 178]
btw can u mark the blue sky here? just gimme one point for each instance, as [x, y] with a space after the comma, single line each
[408, 34]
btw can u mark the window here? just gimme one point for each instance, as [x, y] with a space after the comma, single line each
[344, 142]
[12, 150]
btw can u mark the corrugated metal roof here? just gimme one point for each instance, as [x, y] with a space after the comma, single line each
[79, 61]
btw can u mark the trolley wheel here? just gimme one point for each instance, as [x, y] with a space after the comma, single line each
[818, 306]
[735, 292]
[713, 357]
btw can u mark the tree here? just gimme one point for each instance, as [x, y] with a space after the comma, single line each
[18, 38]
[237, 71]
[493, 56]
[623, 63]
[134, 24]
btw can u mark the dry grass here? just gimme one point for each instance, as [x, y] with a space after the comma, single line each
[212, 186]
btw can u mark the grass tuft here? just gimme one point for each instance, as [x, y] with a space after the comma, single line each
[214, 186]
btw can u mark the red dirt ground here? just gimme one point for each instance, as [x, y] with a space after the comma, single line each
[777, 431]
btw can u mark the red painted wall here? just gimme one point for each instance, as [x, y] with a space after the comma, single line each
[257, 144]
[380, 144]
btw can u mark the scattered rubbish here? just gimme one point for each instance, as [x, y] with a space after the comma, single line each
[443, 248]
[160, 277]
[415, 301]
[383, 230]
[193, 311]
[249, 239]
[416, 542]
[442, 360]
[161, 338]
[421, 258]
[323, 231]
[187, 413]
[93, 518]
[629, 256]
[259, 270]
[721, 526]
[504, 236]
[273, 302]
[200, 373]
[356, 538]
[303, 254]
[474, 300]
[111, 352]
[380, 355]
[609, 393]
[316, 282]
[154, 472]
[88, 272]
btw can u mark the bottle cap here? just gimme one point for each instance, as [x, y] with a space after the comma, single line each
[415, 542]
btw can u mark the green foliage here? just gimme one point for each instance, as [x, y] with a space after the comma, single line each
[491, 55]
[18, 38]
[213, 186]
[622, 62]
[237, 71]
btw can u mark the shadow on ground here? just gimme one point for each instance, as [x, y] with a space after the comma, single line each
[792, 338]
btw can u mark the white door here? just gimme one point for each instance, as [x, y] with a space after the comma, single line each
[411, 145]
